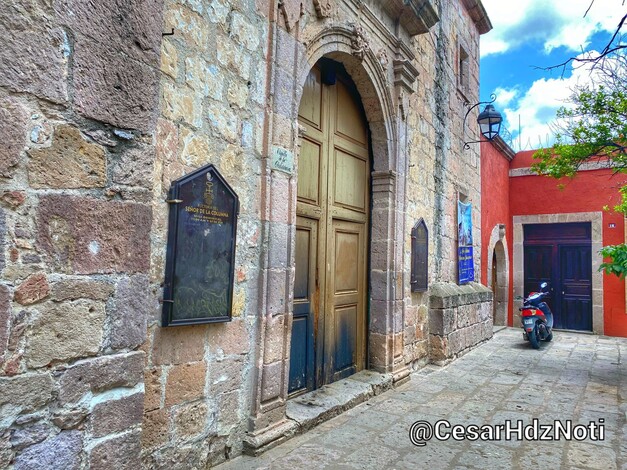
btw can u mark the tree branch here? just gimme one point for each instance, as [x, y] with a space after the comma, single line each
[607, 50]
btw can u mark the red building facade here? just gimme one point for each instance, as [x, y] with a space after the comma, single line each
[536, 228]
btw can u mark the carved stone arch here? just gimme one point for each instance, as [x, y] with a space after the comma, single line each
[371, 82]
[385, 329]
[497, 248]
[376, 86]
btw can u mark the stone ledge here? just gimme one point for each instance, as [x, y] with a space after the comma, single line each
[416, 17]
[449, 295]
[257, 443]
[306, 411]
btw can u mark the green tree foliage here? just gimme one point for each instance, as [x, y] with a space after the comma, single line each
[616, 263]
[593, 128]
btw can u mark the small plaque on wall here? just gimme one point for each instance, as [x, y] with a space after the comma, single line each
[200, 257]
[419, 257]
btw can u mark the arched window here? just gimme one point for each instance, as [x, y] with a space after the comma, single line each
[419, 257]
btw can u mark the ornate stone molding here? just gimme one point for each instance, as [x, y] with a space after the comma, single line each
[359, 43]
[383, 58]
[323, 8]
[292, 11]
[405, 74]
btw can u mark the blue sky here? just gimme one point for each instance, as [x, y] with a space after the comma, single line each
[540, 33]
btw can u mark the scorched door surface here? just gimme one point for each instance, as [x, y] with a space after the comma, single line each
[329, 328]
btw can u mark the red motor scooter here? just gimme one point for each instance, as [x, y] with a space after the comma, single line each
[537, 318]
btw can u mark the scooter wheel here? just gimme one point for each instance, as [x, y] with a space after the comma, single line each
[533, 339]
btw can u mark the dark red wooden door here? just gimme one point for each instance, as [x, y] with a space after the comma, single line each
[561, 254]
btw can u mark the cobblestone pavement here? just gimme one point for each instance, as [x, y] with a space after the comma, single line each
[577, 377]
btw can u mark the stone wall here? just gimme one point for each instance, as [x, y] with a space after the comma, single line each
[460, 317]
[99, 113]
[78, 101]
[439, 168]
[213, 90]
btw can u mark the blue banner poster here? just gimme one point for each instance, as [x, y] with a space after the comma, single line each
[466, 268]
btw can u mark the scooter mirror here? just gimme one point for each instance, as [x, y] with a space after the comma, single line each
[543, 285]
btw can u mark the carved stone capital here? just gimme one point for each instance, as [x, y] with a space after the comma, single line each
[405, 74]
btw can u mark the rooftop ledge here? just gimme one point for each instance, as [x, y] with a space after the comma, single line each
[416, 16]
[478, 14]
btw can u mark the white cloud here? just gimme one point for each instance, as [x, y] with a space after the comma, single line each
[534, 110]
[504, 96]
[553, 23]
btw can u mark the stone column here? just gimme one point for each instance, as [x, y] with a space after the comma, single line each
[268, 422]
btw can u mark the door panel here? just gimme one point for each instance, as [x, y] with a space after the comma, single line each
[538, 267]
[576, 286]
[333, 202]
[348, 122]
[311, 102]
[346, 254]
[302, 359]
[346, 319]
[309, 172]
[346, 285]
[350, 173]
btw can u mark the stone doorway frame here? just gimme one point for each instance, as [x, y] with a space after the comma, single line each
[498, 246]
[383, 92]
[596, 220]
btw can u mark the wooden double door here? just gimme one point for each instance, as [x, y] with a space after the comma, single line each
[330, 288]
[561, 254]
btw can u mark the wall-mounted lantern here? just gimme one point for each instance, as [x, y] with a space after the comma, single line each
[489, 121]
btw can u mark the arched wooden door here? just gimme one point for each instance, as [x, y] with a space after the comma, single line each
[330, 288]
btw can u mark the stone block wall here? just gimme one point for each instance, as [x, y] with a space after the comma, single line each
[99, 113]
[212, 95]
[460, 317]
[78, 101]
[439, 167]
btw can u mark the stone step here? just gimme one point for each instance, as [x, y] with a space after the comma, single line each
[312, 408]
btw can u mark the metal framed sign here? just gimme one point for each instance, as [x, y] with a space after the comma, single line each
[200, 259]
[466, 269]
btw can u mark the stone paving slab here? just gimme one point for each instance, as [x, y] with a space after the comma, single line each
[576, 377]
